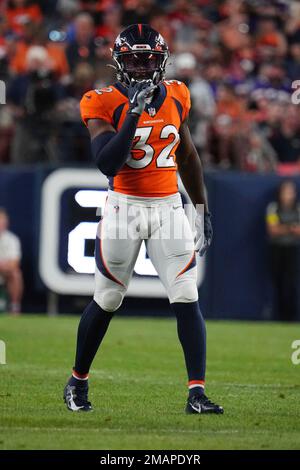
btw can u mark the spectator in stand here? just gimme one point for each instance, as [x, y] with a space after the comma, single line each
[83, 47]
[203, 109]
[6, 121]
[228, 102]
[111, 25]
[94, 6]
[222, 150]
[73, 137]
[222, 144]
[66, 10]
[269, 113]
[161, 23]
[293, 62]
[283, 226]
[189, 25]
[234, 30]
[6, 131]
[137, 11]
[10, 257]
[256, 153]
[4, 48]
[270, 42]
[21, 12]
[272, 75]
[35, 36]
[286, 139]
[292, 23]
[213, 72]
[33, 97]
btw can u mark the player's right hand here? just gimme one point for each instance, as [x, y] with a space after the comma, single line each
[138, 92]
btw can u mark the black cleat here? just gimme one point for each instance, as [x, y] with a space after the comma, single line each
[198, 404]
[76, 397]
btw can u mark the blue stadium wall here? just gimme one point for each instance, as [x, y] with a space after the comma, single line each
[237, 280]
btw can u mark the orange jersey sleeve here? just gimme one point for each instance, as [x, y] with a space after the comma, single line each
[180, 92]
[100, 104]
[187, 101]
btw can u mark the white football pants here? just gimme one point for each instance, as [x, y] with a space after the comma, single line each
[162, 223]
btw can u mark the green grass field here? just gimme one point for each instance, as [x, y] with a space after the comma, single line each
[137, 387]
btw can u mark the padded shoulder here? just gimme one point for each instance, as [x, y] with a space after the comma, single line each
[180, 92]
[100, 104]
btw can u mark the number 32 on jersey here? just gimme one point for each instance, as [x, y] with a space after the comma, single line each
[165, 157]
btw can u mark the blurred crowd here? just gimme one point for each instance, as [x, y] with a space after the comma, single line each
[239, 58]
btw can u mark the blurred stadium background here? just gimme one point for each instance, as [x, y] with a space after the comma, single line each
[239, 59]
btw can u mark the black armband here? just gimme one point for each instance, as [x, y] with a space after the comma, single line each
[111, 149]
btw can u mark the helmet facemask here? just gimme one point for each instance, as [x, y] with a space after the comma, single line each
[140, 65]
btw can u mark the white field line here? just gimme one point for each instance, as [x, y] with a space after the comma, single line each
[138, 430]
[138, 379]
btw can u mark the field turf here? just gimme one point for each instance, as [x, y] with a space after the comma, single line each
[138, 387]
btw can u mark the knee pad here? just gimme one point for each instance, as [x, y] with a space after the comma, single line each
[109, 299]
[184, 291]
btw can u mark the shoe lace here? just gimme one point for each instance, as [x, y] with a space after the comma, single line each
[203, 399]
[82, 395]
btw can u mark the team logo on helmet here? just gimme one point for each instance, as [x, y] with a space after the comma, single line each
[160, 40]
[140, 53]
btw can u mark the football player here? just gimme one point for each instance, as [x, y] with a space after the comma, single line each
[139, 139]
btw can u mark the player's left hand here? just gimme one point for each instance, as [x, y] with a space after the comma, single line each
[204, 232]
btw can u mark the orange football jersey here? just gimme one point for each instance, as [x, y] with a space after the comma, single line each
[150, 170]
